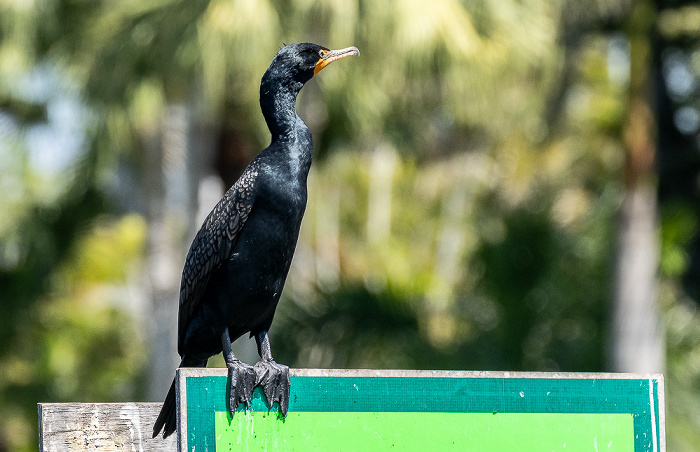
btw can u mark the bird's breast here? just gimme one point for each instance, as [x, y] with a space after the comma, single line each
[283, 186]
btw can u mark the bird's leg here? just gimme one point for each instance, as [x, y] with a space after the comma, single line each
[241, 376]
[272, 377]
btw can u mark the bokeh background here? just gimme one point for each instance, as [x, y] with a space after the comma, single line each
[497, 185]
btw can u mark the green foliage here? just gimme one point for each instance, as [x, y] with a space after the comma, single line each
[79, 342]
[473, 273]
[680, 224]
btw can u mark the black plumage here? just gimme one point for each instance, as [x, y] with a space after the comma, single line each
[238, 262]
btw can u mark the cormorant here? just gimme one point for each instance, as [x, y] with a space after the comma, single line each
[239, 260]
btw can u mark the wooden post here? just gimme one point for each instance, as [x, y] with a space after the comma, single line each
[103, 427]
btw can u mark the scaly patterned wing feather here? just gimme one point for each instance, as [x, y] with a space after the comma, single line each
[213, 244]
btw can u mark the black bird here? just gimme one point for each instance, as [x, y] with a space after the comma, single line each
[238, 262]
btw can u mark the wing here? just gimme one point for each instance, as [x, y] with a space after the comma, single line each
[213, 244]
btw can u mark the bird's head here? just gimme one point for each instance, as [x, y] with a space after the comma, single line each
[302, 61]
[292, 67]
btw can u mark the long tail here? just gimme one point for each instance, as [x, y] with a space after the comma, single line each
[168, 414]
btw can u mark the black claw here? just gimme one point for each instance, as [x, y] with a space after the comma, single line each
[274, 380]
[241, 379]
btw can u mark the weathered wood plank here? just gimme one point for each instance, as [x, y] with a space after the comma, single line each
[100, 426]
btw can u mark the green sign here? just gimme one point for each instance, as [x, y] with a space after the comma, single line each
[415, 410]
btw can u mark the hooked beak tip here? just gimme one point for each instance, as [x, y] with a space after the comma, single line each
[335, 55]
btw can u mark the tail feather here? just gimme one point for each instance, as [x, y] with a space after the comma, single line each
[168, 415]
[167, 419]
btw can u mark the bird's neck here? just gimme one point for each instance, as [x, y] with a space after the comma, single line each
[278, 104]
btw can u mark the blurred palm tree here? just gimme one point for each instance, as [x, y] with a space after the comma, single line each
[183, 81]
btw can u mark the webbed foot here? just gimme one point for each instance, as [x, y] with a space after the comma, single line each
[241, 381]
[273, 378]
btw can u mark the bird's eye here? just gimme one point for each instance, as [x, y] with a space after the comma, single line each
[322, 53]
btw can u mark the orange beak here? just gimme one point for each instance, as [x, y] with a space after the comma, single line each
[334, 55]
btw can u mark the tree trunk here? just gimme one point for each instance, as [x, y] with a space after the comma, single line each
[636, 339]
[168, 202]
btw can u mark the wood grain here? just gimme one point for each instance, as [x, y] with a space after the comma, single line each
[103, 427]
